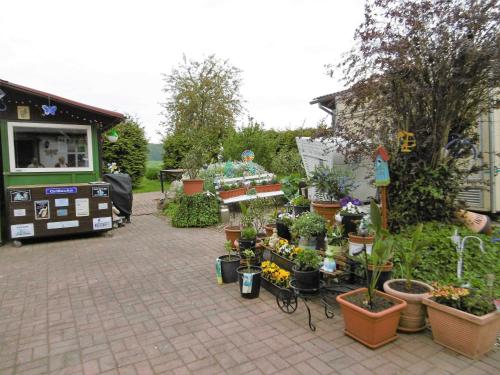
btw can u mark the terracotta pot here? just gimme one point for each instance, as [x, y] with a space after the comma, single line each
[356, 243]
[327, 209]
[233, 233]
[269, 229]
[413, 316]
[370, 328]
[232, 193]
[267, 188]
[462, 332]
[192, 187]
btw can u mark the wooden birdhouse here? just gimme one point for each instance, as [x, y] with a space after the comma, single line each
[382, 177]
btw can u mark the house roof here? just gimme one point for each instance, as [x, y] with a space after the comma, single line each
[382, 152]
[329, 99]
[114, 117]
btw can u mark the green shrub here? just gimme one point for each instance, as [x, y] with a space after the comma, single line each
[130, 151]
[199, 210]
[287, 162]
[309, 224]
[248, 233]
[152, 173]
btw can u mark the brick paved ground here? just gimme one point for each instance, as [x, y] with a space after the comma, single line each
[145, 301]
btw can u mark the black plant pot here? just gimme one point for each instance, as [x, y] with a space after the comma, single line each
[229, 268]
[246, 244]
[320, 241]
[283, 230]
[299, 210]
[307, 280]
[384, 276]
[255, 281]
[350, 223]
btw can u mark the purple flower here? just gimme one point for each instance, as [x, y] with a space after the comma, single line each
[343, 202]
[356, 202]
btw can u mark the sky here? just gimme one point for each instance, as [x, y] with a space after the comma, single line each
[113, 54]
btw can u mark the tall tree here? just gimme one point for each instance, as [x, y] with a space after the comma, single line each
[427, 67]
[203, 101]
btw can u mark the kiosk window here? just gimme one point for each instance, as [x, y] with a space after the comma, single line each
[50, 147]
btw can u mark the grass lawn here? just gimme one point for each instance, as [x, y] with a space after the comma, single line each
[147, 186]
[154, 164]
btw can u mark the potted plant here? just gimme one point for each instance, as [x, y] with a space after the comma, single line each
[248, 238]
[462, 320]
[229, 264]
[193, 161]
[284, 254]
[363, 236]
[370, 316]
[350, 214]
[274, 278]
[231, 190]
[249, 276]
[268, 186]
[300, 205]
[271, 223]
[412, 291]
[306, 269]
[283, 224]
[310, 227]
[331, 184]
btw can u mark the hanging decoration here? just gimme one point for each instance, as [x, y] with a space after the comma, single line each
[3, 106]
[247, 156]
[112, 135]
[49, 110]
[407, 141]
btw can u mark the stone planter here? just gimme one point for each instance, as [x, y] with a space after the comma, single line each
[373, 329]
[462, 332]
[327, 209]
[413, 316]
[192, 187]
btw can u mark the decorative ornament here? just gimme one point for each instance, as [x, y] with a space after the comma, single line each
[247, 156]
[229, 169]
[407, 141]
[112, 136]
[251, 168]
[382, 177]
[49, 110]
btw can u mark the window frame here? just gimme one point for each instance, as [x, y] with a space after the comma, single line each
[12, 157]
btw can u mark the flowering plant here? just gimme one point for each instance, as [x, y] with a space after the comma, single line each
[113, 168]
[462, 299]
[350, 206]
[275, 274]
[286, 218]
[287, 250]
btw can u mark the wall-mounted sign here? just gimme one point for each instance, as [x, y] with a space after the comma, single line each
[22, 230]
[61, 190]
[20, 195]
[63, 224]
[102, 223]
[19, 212]
[102, 206]
[42, 210]
[82, 207]
[100, 191]
[62, 212]
[61, 202]
[23, 112]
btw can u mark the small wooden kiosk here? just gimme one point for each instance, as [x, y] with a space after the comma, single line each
[51, 164]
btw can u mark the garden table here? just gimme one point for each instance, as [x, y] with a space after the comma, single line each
[174, 174]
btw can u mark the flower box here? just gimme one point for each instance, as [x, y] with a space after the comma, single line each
[270, 287]
[267, 188]
[460, 331]
[282, 262]
[232, 193]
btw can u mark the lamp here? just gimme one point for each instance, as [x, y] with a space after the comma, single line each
[112, 135]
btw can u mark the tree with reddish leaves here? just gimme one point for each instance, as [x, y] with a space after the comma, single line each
[429, 67]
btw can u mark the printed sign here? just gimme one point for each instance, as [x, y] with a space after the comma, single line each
[42, 210]
[63, 224]
[23, 112]
[61, 202]
[62, 212]
[102, 223]
[100, 191]
[20, 195]
[82, 207]
[61, 190]
[22, 230]
[102, 206]
[20, 212]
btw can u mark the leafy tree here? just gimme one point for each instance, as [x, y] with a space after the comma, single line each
[155, 151]
[130, 151]
[426, 67]
[203, 102]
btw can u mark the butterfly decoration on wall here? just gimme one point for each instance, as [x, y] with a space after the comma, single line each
[49, 110]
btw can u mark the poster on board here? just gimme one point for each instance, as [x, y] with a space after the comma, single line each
[42, 210]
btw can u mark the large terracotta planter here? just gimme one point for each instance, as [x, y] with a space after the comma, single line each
[192, 187]
[327, 209]
[232, 193]
[370, 328]
[233, 233]
[413, 316]
[356, 243]
[267, 188]
[462, 332]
